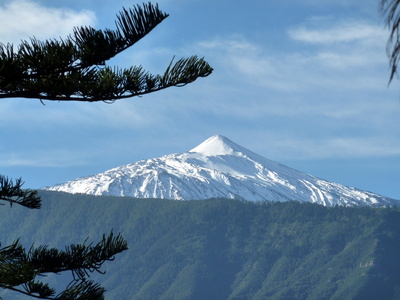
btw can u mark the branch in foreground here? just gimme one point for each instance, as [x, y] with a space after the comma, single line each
[391, 11]
[74, 69]
[13, 193]
[20, 269]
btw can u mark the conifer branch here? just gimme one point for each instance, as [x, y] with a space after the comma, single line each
[12, 192]
[391, 10]
[20, 268]
[75, 69]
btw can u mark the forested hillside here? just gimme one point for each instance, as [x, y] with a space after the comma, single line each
[223, 249]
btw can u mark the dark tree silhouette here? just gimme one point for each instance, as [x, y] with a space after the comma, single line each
[391, 12]
[13, 193]
[74, 69]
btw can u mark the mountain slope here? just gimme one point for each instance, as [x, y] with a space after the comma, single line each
[218, 168]
[221, 248]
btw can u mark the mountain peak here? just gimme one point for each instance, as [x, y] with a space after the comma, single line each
[217, 145]
[222, 170]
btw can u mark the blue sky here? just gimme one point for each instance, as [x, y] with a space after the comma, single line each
[301, 82]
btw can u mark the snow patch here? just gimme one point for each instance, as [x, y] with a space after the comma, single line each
[216, 145]
[219, 168]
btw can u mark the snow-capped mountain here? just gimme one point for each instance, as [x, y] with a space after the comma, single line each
[218, 168]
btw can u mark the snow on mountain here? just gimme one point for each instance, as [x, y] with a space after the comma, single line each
[218, 168]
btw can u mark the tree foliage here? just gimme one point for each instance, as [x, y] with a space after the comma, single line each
[391, 11]
[12, 192]
[21, 269]
[74, 68]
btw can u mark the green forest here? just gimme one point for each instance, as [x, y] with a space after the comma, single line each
[221, 248]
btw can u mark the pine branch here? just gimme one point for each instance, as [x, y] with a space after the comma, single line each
[19, 268]
[12, 192]
[134, 24]
[85, 290]
[75, 69]
[80, 259]
[391, 10]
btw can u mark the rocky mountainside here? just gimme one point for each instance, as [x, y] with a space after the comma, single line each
[218, 168]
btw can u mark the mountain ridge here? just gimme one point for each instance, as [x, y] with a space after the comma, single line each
[222, 248]
[218, 168]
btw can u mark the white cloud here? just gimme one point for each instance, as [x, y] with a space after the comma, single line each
[129, 113]
[332, 85]
[342, 32]
[346, 55]
[22, 19]
[286, 146]
[52, 158]
[232, 44]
